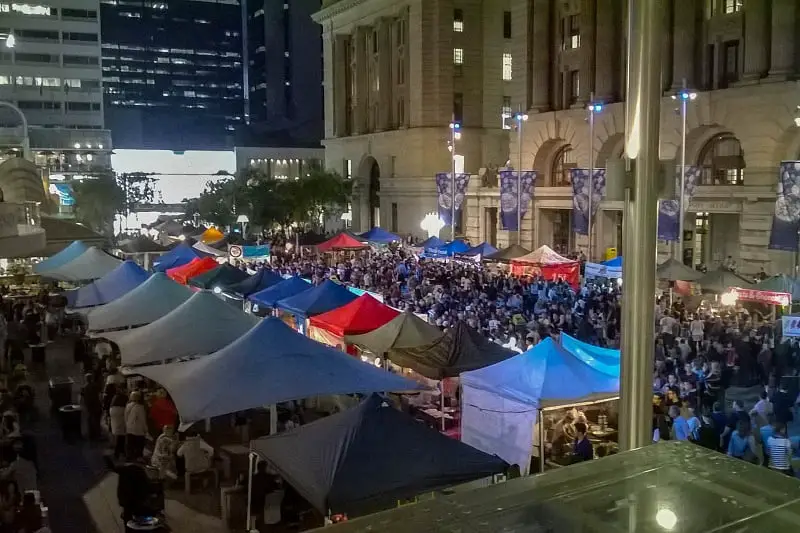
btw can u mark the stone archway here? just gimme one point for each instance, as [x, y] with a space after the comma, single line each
[545, 159]
[21, 181]
[369, 174]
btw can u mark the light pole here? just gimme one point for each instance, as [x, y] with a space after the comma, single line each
[684, 95]
[593, 107]
[520, 118]
[455, 134]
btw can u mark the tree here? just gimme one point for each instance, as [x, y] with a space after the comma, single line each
[320, 193]
[138, 188]
[97, 201]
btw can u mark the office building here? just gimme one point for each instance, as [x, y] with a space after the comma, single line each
[172, 73]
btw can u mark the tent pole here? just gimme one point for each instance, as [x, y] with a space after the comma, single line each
[541, 441]
[273, 419]
[251, 460]
[441, 386]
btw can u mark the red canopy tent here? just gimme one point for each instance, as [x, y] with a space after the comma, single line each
[193, 268]
[341, 241]
[362, 315]
[546, 263]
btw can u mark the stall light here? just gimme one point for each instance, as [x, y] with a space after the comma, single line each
[667, 519]
[364, 359]
[89, 157]
[100, 146]
[255, 308]
[619, 282]
[378, 362]
[77, 146]
[728, 299]
[181, 237]
[217, 290]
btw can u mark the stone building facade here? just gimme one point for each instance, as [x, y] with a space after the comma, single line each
[740, 56]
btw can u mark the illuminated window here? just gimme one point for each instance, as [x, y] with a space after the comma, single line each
[458, 56]
[733, 6]
[507, 67]
[561, 173]
[570, 32]
[5, 80]
[458, 20]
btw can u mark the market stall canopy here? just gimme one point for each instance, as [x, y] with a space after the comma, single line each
[615, 263]
[324, 297]
[285, 289]
[141, 245]
[507, 254]
[210, 235]
[269, 364]
[117, 283]
[146, 303]
[70, 253]
[195, 267]
[544, 262]
[379, 235]
[362, 315]
[543, 376]
[209, 250]
[181, 255]
[673, 270]
[719, 281]
[781, 283]
[219, 276]
[544, 255]
[213, 324]
[604, 360]
[367, 458]
[448, 250]
[459, 350]
[92, 264]
[406, 330]
[341, 241]
[483, 249]
[432, 242]
[263, 279]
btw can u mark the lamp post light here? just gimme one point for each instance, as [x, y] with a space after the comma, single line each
[593, 108]
[11, 41]
[455, 134]
[520, 118]
[684, 96]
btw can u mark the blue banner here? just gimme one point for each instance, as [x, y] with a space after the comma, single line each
[510, 180]
[582, 187]
[249, 252]
[668, 210]
[444, 188]
[786, 220]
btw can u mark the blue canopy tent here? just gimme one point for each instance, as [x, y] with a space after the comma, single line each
[367, 458]
[68, 254]
[432, 242]
[269, 364]
[289, 287]
[325, 297]
[615, 263]
[500, 403]
[448, 250]
[379, 235]
[604, 360]
[263, 279]
[178, 256]
[119, 282]
[482, 250]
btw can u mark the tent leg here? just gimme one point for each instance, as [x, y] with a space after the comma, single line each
[251, 460]
[273, 419]
[441, 386]
[208, 425]
[541, 441]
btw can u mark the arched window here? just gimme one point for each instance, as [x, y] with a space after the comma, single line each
[722, 161]
[562, 164]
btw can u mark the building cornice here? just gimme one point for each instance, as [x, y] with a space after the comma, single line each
[333, 8]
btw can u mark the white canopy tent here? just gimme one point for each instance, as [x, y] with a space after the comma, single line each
[146, 303]
[92, 264]
[206, 249]
[212, 322]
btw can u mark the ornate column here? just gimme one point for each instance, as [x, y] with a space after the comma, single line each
[385, 60]
[756, 43]
[606, 51]
[541, 50]
[587, 21]
[684, 43]
[784, 19]
[522, 80]
[339, 85]
[361, 102]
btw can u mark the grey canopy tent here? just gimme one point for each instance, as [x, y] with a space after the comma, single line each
[507, 254]
[719, 281]
[781, 283]
[672, 270]
[367, 458]
[460, 349]
[92, 264]
[406, 330]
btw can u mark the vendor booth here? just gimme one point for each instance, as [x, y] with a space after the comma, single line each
[146, 303]
[71, 252]
[211, 235]
[406, 330]
[141, 249]
[267, 298]
[478, 252]
[362, 315]
[546, 263]
[432, 242]
[117, 283]
[604, 360]
[218, 277]
[213, 325]
[92, 264]
[719, 281]
[178, 256]
[447, 250]
[263, 279]
[781, 283]
[379, 236]
[269, 364]
[320, 299]
[611, 269]
[368, 458]
[193, 268]
[341, 242]
[505, 255]
[502, 405]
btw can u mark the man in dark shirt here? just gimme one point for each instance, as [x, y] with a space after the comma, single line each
[583, 449]
[262, 485]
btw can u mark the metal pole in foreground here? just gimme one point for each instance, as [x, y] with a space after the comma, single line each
[454, 134]
[682, 181]
[643, 111]
[589, 255]
[521, 117]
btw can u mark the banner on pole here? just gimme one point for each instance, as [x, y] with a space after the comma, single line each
[786, 220]
[582, 187]
[444, 188]
[509, 210]
[668, 210]
[599, 270]
[791, 326]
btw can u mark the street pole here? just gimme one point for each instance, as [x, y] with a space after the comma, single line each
[590, 256]
[520, 119]
[682, 181]
[643, 113]
[454, 135]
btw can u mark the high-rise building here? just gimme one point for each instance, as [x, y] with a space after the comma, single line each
[284, 74]
[173, 73]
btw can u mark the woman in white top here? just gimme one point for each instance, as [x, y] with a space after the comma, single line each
[780, 451]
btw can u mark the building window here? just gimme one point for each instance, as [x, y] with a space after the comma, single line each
[506, 24]
[401, 112]
[730, 65]
[570, 32]
[507, 67]
[733, 6]
[348, 168]
[505, 113]
[574, 86]
[458, 56]
[458, 20]
[563, 164]
[458, 107]
[722, 161]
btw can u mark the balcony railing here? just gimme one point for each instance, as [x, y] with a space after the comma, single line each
[19, 219]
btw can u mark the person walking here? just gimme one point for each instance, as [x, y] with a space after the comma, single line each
[135, 425]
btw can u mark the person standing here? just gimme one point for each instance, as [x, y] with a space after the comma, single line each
[135, 425]
[116, 421]
[94, 407]
[780, 450]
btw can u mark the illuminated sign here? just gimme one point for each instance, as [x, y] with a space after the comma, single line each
[26, 9]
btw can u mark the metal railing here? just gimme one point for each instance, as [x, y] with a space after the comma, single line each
[18, 219]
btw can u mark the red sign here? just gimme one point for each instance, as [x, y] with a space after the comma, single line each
[764, 297]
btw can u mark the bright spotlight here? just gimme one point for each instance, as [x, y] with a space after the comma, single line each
[11, 41]
[666, 519]
[217, 290]
[728, 298]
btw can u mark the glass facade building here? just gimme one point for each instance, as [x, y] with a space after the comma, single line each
[172, 73]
